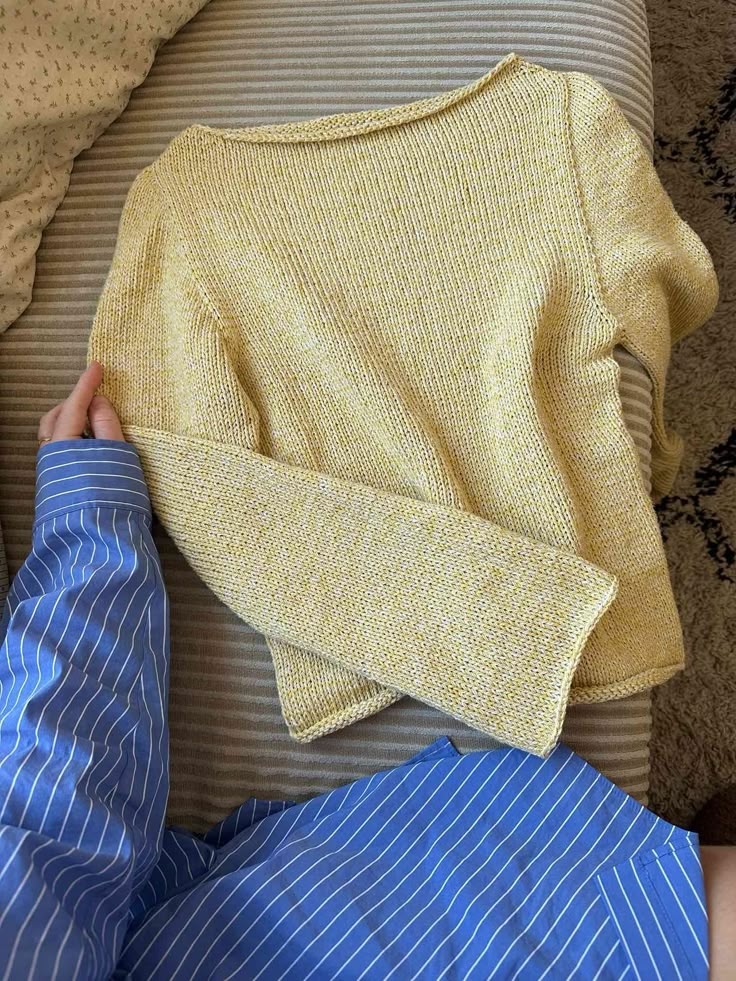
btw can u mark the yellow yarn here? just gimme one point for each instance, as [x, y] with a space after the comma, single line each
[367, 362]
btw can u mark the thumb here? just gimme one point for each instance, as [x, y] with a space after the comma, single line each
[103, 420]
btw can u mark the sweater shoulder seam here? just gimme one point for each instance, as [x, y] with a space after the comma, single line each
[194, 271]
[578, 184]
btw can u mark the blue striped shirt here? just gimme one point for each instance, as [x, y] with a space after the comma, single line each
[492, 864]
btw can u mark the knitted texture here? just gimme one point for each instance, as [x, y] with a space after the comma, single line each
[367, 362]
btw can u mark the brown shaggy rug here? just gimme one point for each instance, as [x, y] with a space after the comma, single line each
[694, 740]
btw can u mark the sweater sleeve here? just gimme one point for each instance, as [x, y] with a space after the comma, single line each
[656, 277]
[442, 605]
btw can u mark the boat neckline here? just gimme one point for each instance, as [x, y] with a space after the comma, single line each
[337, 126]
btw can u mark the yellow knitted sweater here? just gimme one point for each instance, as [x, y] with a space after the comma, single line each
[367, 362]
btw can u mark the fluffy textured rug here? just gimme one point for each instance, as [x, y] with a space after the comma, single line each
[694, 739]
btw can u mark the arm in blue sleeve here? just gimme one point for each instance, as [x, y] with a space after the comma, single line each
[83, 734]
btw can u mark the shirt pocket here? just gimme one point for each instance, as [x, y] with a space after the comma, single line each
[656, 901]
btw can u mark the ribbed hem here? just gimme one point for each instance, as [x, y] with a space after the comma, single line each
[77, 473]
[344, 717]
[591, 694]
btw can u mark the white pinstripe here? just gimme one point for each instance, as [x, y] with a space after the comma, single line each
[688, 880]
[240, 846]
[574, 972]
[622, 935]
[503, 867]
[119, 891]
[55, 657]
[400, 882]
[29, 570]
[91, 559]
[489, 832]
[81, 837]
[79, 550]
[12, 601]
[67, 708]
[124, 450]
[579, 862]
[361, 871]
[605, 960]
[677, 900]
[40, 561]
[27, 627]
[635, 919]
[27, 674]
[316, 823]
[54, 497]
[83, 475]
[144, 857]
[562, 912]
[300, 855]
[570, 937]
[60, 574]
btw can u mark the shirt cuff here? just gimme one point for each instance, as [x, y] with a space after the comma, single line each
[80, 473]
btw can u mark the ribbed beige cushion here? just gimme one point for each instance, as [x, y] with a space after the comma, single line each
[240, 64]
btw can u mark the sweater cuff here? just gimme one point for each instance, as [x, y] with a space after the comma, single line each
[80, 473]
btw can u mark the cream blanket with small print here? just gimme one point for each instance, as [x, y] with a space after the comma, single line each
[67, 71]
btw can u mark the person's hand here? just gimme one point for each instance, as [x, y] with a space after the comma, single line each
[70, 418]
